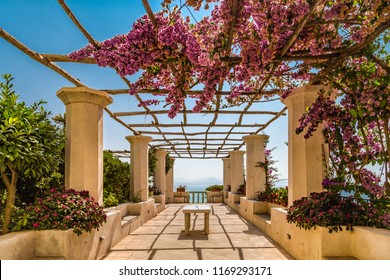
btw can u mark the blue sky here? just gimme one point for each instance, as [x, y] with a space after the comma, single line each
[44, 27]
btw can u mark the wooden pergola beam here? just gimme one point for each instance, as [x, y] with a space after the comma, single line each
[198, 139]
[190, 92]
[39, 58]
[96, 45]
[191, 125]
[164, 112]
[192, 133]
[195, 144]
[350, 51]
[68, 11]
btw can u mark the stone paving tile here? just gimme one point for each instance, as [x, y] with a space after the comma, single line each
[182, 254]
[135, 242]
[163, 238]
[214, 241]
[166, 241]
[174, 229]
[220, 254]
[146, 229]
[250, 240]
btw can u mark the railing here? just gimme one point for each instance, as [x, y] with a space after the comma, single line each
[197, 197]
[190, 197]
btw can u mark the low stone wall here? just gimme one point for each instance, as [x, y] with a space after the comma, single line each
[214, 196]
[364, 243]
[64, 244]
[233, 201]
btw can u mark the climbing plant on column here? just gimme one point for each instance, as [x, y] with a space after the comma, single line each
[29, 143]
[357, 131]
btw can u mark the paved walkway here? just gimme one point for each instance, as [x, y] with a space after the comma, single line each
[230, 238]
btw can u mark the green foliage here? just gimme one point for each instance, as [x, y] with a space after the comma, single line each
[214, 188]
[138, 197]
[152, 161]
[274, 195]
[30, 146]
[61, 209]
[116, 180]
[169, 162]
[27, 137]
[109, 199]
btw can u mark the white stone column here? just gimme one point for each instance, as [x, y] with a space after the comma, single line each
[237, 169]
[84, 139]
[305, 156]
[139, 166]
[226, 173]
[159, 174]
[169, 185]
[255, 175]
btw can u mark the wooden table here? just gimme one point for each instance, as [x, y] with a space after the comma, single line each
[188, 209]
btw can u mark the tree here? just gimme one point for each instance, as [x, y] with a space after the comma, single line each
[116, 180]
[29, 143]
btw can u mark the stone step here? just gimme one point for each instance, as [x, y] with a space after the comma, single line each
[264, 217]
[128, 219]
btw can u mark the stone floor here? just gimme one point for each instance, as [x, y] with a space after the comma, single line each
[230, 238]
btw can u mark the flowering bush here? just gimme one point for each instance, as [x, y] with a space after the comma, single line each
[61, 209]
[330, 210]
[274, 195]
[241, 189]
[325, 209]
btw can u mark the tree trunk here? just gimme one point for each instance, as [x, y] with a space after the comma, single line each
[11, 189]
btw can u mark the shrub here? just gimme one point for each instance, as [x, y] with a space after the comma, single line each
[326, 209]
[274, 195]
[61, 209]
[215, 188]
[116, 180]
[241, 189]
[110, 199]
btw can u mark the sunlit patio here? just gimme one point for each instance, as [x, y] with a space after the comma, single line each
[163, 238]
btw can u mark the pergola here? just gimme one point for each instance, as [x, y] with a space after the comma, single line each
[211, 139]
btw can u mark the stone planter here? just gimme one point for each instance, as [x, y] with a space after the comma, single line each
[214, 196]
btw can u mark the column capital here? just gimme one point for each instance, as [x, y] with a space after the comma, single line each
[307, 94]
[258, 137]
[139, 139]
[83, 94]
[226, 160]
[161, 153]
[235, 152]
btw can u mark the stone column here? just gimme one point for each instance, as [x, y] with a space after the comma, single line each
[84, 139]
[169, 185]
[305, 156]
[237, 169]
[226, 173]
[159, 174]
[139, 166]
[255, 175]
